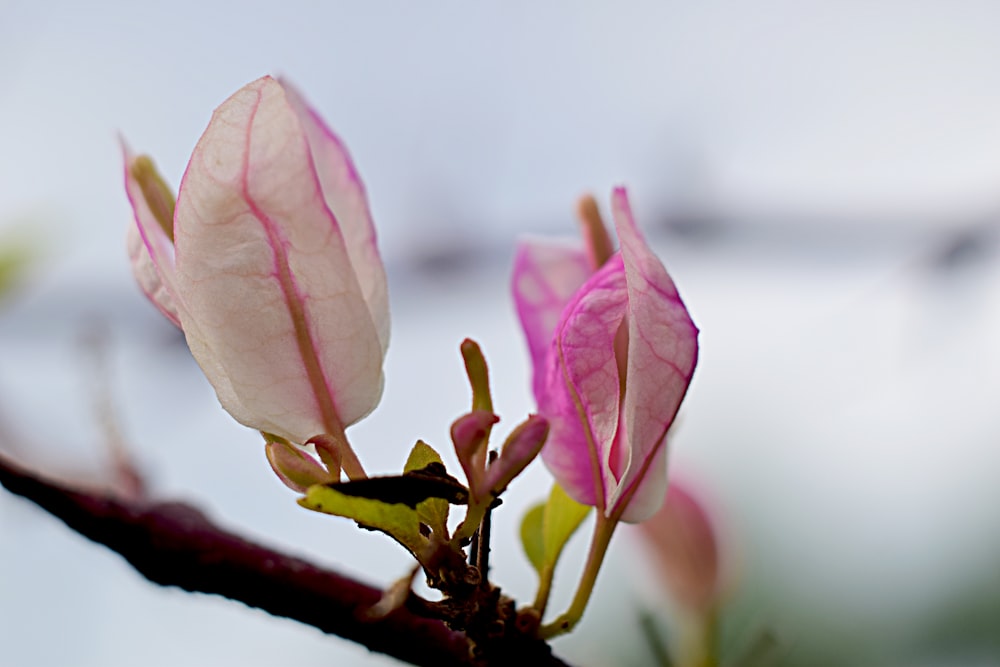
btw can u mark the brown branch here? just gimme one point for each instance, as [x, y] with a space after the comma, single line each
[174, 544]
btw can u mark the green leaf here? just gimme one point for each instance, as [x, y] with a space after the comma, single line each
[421, 455]
[532, 537]
[547, 527]
[563, 516]
[396, 520]
[432, 512]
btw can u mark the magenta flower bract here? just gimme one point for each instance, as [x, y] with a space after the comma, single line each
[270, 266]
[613, 349]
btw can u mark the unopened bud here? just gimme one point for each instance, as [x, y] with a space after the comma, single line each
[522, 446]
[470, 434]
[479, 375]
[295, 468]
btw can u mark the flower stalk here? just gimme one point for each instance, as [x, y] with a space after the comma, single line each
[604, 528]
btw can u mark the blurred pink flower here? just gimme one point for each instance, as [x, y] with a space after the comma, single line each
[686, 549]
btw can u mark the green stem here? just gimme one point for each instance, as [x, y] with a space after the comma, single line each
[473, 517]
[603, 530]
[544, 589]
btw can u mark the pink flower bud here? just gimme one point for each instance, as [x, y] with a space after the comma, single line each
[613, 352]
[521, 447]
[470, 434]
[272, 269]
[295, 468]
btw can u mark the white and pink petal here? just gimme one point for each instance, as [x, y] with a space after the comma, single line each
[273, 311]
[345, 196]
[662, 353]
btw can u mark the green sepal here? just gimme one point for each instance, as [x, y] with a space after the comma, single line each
[432, 512]
[396, 520]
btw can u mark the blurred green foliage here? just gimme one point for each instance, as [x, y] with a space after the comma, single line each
[15, 257]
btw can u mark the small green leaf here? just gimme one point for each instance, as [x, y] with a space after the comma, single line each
[432, 512]
[396, 520]
[532, 536]
[420, 456]
[563, 516]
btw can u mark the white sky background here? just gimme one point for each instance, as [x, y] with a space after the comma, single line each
[846, 402]
[490, 115]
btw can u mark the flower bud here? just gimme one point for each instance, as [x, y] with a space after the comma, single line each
[296, 468]
[470, 434]
[268, 263]
[613, 349]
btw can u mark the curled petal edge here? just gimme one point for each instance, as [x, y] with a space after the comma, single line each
[662, 354]
[151, 252]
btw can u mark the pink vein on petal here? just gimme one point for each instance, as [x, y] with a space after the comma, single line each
[345, 196]
[583, 383]
[294, 298]
[663, 351]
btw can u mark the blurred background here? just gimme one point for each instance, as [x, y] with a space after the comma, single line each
[822, 181]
